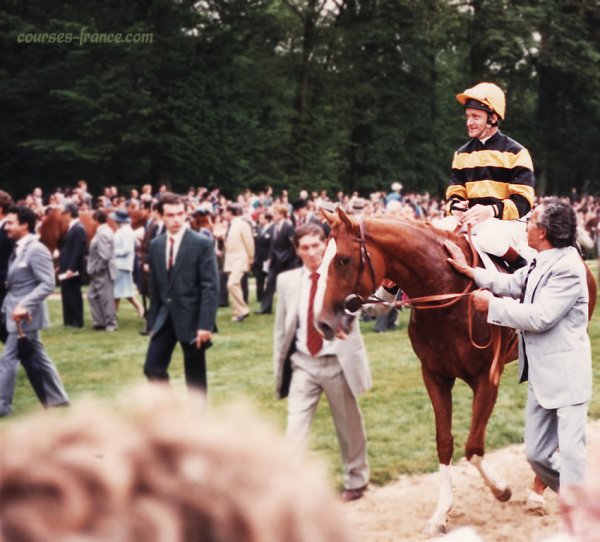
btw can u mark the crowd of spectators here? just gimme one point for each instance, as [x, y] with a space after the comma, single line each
[210, 212]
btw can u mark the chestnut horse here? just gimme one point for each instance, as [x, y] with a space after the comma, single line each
[55, 224]
[413, 255]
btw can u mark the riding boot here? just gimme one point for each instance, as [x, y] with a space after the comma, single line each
[514, 259]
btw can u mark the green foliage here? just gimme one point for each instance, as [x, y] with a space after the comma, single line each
[350, 95]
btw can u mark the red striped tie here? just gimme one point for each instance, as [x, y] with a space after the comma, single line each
[171, 251]
[314, 341]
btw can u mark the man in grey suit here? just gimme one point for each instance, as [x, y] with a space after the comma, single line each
[102, 271]
[184, 292]
[29, 281]
[554, 348]
[306, 366]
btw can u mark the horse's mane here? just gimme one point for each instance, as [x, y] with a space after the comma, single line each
[422, 228]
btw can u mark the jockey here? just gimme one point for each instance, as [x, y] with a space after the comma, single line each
[492, 179]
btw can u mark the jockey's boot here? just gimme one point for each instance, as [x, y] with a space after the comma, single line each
[514, 259]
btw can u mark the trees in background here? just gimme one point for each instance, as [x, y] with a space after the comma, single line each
[335, 94]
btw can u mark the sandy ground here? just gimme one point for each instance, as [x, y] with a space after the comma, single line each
[398, 511]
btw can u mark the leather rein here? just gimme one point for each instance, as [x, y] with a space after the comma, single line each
[428, 302]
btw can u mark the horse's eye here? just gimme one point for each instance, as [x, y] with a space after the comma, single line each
[343, 261]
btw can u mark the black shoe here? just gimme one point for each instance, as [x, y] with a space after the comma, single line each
[144, 333]
[240, 318]
[262, 312]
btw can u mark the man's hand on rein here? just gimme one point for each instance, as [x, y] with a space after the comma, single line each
[481, 300]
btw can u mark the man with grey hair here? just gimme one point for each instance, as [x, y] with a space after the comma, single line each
[554, 348]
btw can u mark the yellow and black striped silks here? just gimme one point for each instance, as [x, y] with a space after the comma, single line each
[499, 171]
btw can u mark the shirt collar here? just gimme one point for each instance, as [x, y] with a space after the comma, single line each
[23, 241]
[549, 255]
[72, 222]
[179, 235]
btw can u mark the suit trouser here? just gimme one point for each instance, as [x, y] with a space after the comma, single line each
[547, 430]
[160, 350]
[234, 287]
[9, 363]
[72, 302]
[310, 378]
[101, 300]
[260, 277]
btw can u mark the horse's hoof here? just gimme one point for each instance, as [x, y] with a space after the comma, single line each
[433, 529]
[503, 495]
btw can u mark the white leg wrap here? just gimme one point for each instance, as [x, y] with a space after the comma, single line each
[437, 523]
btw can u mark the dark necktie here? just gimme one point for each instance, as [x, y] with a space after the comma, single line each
[525, 374]
[171, 252]
[314, 341]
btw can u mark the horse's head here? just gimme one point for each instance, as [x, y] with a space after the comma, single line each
[353, 274]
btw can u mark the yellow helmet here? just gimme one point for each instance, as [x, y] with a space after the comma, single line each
[485, 96]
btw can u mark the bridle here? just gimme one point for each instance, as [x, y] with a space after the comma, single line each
[354, 301]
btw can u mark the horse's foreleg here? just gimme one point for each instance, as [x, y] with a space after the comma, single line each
[440, 392]
[484, 399]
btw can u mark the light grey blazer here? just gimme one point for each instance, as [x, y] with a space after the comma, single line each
[101, 257]
[30, 280]
[553, 320]
[351, 352]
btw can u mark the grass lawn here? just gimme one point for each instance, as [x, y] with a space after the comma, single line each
[398, 414]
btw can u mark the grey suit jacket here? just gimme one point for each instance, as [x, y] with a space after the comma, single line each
[29, 281]
[351, 352]
[190, 296]
[101, 257]
[553, 320]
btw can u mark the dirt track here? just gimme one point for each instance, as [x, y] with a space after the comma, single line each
[398, 511]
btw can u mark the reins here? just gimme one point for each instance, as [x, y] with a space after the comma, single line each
[436, 301]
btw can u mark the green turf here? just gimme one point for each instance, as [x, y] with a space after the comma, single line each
[398, 414]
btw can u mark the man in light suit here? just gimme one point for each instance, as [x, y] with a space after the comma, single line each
[306, 366]
[30, 280]
[102, 271]
[554, 348]
[239, 255]
[184, 292]
[72, 267]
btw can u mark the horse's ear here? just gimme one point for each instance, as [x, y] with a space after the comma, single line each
[344, 217]
[327, 215]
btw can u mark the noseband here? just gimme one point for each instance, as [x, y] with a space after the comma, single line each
[354, 301]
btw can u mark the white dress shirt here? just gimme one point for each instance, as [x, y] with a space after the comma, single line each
[329, 348]
[178, 237]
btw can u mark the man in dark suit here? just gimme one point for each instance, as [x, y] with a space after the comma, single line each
[262, 243]
[282, 254]
[152, 229]
[71, 267]
[6, 247]
[184, 295]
